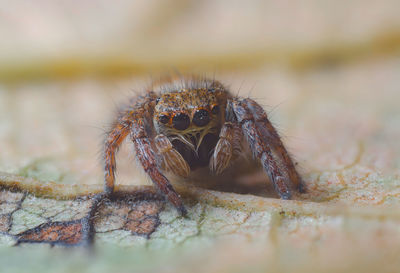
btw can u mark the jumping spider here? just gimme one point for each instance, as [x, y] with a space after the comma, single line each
[185, 122]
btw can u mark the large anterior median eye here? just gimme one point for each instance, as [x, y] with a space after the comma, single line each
[181, 121]
[201, 118]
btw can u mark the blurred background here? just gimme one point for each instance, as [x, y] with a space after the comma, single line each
[65, 39]
[327, 72]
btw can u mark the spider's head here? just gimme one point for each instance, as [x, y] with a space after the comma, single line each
[189, 114]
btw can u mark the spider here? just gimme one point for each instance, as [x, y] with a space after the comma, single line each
[183, 123]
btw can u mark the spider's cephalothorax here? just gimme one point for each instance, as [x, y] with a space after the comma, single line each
[184, 123]
[191, 118]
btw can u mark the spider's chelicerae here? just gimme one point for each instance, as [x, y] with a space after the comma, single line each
[185, 122]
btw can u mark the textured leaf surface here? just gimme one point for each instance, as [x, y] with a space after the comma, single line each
[335, 102]
[348, 153]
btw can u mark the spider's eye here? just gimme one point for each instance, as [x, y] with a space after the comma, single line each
[215, 109]
[201, 118]
[163, 118]
[181, 121]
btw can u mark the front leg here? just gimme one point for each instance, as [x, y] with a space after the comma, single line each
[114, 139]
[146, 156]
[271, 135]
[264, 144]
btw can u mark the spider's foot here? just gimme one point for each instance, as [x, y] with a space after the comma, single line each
[108, 190]
[302, 188]
[282, 189]
[285, 195]
[182, 210]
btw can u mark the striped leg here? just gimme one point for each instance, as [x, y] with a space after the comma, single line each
[266, 145]
[114, 139]
[270, 134]
[146, 156]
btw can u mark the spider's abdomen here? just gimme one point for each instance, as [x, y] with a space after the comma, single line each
[204, 152]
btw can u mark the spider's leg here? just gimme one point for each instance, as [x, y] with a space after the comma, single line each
[268, 131]
[147, 158]
[172, 159]
[260, 147]
[224, 150]
[114, 139]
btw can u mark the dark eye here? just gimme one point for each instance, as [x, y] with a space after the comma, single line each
[215, 109]
[181, 121]
[201, 118]
[163, 118]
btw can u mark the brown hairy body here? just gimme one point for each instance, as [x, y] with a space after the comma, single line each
[184, 123]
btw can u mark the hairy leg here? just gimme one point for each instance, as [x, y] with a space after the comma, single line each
[133, 120]
[172, 159]
[147, 158]
[254, 129]
[114, 139]
[268, 131]
[118, 133]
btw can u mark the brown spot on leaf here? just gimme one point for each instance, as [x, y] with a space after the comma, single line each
[135, 214]
[139, 217]
[142, 219]
[144, 209]
[142, 227]
[4, 222]
[58, 232]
